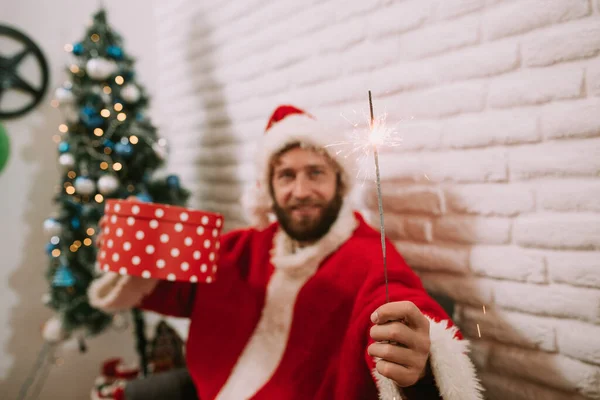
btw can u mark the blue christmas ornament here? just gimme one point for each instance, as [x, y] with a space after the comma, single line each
[173, 181]
[78, 49]
[88, 111]
[90, 117]
[63, 277]
[95, 122]
[108, 143]
[124, 149]
[144, 198]
[75, 223]
[74, 206]
[115, 52]
[63, 147]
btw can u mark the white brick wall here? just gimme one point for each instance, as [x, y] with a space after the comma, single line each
[494, 197]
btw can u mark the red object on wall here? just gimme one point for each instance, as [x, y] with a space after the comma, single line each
[160, 241]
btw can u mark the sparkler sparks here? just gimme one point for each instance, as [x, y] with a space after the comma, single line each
[362, 143]
[366, 137]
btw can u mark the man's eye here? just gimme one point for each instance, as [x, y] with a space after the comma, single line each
[286, 175]
[316, 172]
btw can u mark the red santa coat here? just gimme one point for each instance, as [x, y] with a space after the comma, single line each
[280, 323]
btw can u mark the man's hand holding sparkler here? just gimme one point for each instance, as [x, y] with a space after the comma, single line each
[401, 334]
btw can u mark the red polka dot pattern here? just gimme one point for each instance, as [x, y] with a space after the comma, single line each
[160, 241]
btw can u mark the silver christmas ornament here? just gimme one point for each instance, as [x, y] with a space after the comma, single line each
[130, 93]
[66, 160]
[100, 68]
[52, 227]
[64, 96]
[161, 151]
[84, 186]
[108, 184]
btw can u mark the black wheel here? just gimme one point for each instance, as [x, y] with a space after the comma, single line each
[12, 80]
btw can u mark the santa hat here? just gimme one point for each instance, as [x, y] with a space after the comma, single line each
[289, 125]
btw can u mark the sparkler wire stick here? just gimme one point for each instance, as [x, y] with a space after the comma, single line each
[380, 204]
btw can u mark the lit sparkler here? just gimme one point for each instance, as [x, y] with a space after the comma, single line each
[364, 138]
[362, 143]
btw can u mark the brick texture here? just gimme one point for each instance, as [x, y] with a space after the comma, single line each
[513, 328]
[573, 158]
[561, 301]
[577, 268]
[512, 263]
[540, 367]
[575, 231]
[520, 17]
[502, 387]
[500, 199]
[556, 45]
[529, 87]
[570, 334]
[571, 120]
[493, 196]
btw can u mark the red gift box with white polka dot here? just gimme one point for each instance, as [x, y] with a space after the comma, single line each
[160, 241]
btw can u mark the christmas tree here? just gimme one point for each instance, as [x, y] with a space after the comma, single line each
[107, 148]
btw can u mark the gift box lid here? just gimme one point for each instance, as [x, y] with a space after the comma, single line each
[162, 212]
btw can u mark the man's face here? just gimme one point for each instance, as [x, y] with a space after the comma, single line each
[306, 195]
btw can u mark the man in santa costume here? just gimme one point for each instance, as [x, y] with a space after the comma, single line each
[299, 310]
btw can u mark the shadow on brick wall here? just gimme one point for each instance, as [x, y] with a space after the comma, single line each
[218, 183]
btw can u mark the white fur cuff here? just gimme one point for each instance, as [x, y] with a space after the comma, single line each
[113, 292]
[452, 368]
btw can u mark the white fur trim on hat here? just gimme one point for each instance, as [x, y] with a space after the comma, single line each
[293, 128]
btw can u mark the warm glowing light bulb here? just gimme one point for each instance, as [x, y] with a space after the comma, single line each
[72, 174]
[55, 253]
[95, 37]
[70, 190]
[98, 132]
[99, 198]
[73, 248]
[87, 241]
[118, 106]
[133, 139]
[107, 90]
[90, 231]
[105, 113]
[63, 128]
[104, 165]
[119, 80]
[107, 150]
[121, 117]
[68, 47]
[74, 69]
[117, 166]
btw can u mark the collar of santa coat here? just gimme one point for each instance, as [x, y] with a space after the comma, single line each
[308, 258]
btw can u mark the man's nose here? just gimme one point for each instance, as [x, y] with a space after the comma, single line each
[301, 188]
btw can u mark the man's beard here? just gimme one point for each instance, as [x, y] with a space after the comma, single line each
[309, 229]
